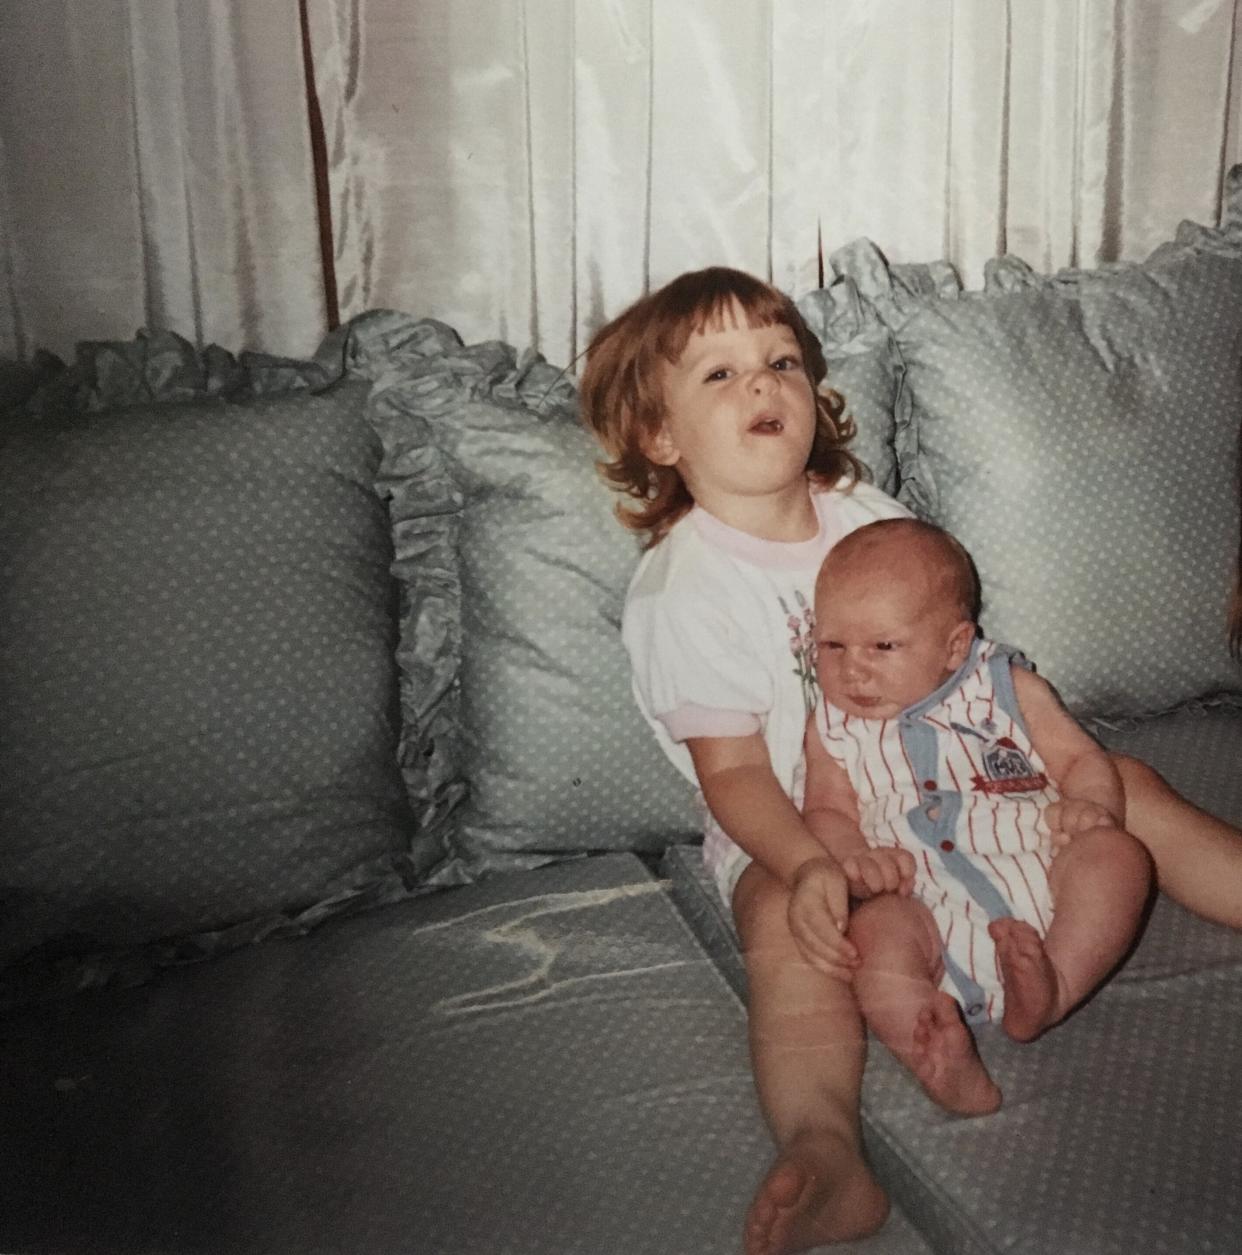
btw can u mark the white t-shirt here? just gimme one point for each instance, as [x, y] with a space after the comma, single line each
[719, 626]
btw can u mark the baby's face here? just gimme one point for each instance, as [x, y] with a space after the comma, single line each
[883, 649]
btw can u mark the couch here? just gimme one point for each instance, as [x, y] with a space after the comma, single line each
[347, 905]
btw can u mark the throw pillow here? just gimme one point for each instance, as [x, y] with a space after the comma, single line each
[559, 761]
[196, 672]
[1079, 434]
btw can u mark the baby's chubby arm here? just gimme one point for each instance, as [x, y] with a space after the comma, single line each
[744, 795]
[1091, 790]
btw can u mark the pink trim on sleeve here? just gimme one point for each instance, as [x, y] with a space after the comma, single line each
[687, 721]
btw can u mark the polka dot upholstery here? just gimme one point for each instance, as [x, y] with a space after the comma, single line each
[196, 675]
[557, 758]
[1080, 436]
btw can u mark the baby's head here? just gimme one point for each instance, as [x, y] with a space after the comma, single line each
[895, 610]
[624, 392]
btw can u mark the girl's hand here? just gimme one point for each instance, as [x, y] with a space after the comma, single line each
[819, 910]
[1070, 817]
[883, 870]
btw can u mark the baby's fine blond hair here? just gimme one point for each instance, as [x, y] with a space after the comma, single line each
[922, 547]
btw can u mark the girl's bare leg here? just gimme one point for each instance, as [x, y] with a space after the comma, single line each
[898, 991]
[1100, 884]
[807, 1050]
[1198, 857]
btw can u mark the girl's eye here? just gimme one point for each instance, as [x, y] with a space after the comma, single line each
[788, 362]
[885, 646]
[714, 376]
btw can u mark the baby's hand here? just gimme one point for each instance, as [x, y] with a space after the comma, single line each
[818, 914]
[1070, 817]
[883, 870]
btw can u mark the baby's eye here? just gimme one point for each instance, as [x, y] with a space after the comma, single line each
[715, 376]
[831, 645]
[886, 646]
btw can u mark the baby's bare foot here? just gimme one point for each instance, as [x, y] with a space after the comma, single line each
[946, 1061]
[819, 1190]
[1030, 980]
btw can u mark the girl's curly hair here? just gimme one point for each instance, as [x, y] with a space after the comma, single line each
[621, 389]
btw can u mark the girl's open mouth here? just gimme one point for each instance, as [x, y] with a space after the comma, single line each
[768, 426]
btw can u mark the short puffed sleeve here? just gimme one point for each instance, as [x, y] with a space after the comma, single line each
[695, 664]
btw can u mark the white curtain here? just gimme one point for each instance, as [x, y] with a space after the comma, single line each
[155, 170]
[523, 168]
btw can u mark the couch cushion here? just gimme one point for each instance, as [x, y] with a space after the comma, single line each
[1079, 435]
[1117, 1132]
[544, 1064]
[196, 674]
[545, 728]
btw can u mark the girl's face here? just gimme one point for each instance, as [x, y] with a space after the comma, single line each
[739, 419]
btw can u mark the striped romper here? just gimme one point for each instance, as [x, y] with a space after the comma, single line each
[955, 780]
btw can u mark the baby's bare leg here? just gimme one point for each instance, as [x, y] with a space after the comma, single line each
[1198, 857]
[1100, 883]
[807, 1049]
[898, 992]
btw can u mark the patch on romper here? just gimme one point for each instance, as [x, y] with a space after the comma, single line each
[1008, 770]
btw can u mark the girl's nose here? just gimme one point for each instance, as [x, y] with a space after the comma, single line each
[764, 379]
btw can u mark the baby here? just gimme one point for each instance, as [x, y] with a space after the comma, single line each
[930, 764]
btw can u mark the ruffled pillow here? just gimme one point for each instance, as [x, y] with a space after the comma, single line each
[1079, 434]
[518, 567]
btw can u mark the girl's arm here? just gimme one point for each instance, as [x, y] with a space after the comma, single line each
[744, 795]
[1084, 773]
[831, 806]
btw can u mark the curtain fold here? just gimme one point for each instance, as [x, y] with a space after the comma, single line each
[157, 172]
[523, 168]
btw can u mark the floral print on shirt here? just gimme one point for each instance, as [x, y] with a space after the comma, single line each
[801, 624]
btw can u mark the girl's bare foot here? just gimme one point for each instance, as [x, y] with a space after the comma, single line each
[819, 1190]
[1031, 985]
[945, 1061]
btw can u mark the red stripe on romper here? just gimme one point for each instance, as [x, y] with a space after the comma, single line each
[915, 785]
[931, 875]
[967, 808]
[882, 745]
[1000, 875]
[1045, 863]
[1039, 915]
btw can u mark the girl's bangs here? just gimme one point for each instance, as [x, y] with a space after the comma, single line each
[704, 302]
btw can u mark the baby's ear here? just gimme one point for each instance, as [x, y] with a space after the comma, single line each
[960, 641]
